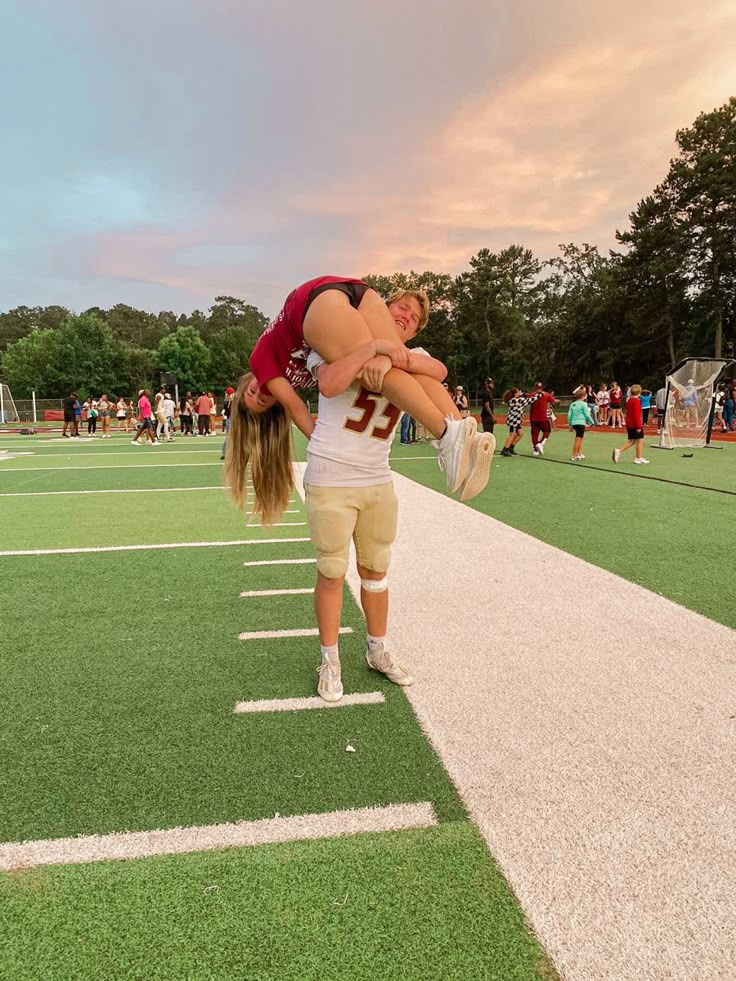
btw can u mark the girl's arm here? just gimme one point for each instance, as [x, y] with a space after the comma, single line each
[423, 364]
[282, 390]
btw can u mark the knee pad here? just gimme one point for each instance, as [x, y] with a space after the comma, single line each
[332, 566]
[374, 585]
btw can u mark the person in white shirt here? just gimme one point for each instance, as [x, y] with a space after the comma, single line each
[349, 494]
[168, 410]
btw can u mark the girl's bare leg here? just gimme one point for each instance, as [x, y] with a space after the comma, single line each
[334, 329]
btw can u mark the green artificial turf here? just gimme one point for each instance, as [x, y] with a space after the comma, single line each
[424, 905]
[123, 673]
[675, 540]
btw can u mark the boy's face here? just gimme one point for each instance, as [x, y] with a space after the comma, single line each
[406, 314]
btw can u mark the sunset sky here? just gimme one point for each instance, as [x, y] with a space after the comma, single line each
[162, 152]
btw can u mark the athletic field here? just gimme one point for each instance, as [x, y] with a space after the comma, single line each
[554, 794]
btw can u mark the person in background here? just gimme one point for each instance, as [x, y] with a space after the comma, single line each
[661, 405]
[69, 416]
[145, 414]
[603, 401]
[77, 413]
[616, 397]
[186, 410]
[461, 402]
[634, 428]
[202, 407]
[121, 414]
[408, 426]
[227, 407]
[213, 414]
[516, 403]
[104, 407]
[90, 410]
[551, 415]
[729, 406]
[486, 410]
[539, 417]
[578, 417]
[169, 410]
[646, 404]
[591, 400]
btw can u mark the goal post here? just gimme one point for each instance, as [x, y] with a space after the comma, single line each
[8, 411]
[689, 403]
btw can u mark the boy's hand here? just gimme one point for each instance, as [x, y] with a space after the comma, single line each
[395, 350]
[374, 371]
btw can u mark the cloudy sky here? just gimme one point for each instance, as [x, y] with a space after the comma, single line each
[161, 152]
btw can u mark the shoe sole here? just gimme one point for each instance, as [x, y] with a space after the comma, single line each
[484, 446]
[471, 428]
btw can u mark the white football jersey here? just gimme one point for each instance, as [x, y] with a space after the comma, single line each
[352, 439]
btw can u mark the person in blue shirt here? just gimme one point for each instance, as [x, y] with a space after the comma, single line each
[646, 403]
[578, 417]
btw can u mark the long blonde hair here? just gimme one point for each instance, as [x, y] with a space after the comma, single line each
[259, 443]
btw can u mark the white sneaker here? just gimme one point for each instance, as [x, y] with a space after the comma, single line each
[540, 447]
[483, 446]
[641, 460]
[455, 450]
[383, 662]
[535, 450]
[329, 686]
[135, 442]
[616, 456]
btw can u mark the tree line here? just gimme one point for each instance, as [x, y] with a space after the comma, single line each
[668, 291]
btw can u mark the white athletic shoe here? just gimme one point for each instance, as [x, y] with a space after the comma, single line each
[616, 456]
[535, 450]
[135, 442]
[383, 662]
[455, 450]
[641, 460]
[540, 446]
[581, 456]
[483, 446]
[329, 686]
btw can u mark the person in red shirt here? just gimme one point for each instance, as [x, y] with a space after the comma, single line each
[539, 418]
[634, 428]
[344, 320]
[202, 407]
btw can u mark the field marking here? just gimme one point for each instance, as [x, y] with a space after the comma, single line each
[238, 834]
[112, 466]
[279, 634]
[215, 449]
[145, 548]
[276, 592]
[312, 702]
[283, 561]
[126, 490]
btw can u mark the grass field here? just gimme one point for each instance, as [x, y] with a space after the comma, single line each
[121, 670]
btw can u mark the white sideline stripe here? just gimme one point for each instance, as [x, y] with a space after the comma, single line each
[112, 466]
[144, 548]
[238, 834]
[282, 561]
[277, 592]
[126, 490]
[301, 632]
[312, 702]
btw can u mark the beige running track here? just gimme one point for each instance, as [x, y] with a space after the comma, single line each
[589, 726]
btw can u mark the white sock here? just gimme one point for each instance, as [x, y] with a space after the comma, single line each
[375, 644]
[326, 651]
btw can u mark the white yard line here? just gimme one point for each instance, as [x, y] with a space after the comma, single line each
[588, 725]
[276, 592]
[280, 634]
[145, 548]
[181, 841]
[126, 490]
[283, 561]
[112, 466]
[312, 702]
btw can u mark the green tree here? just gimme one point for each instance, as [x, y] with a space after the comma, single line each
[702, 181]
[229, 353]
[228, 311]
[20, 321]
[32, 363]
[185, 352]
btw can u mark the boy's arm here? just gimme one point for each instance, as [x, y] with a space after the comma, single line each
[282, 390]
[334, 378]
